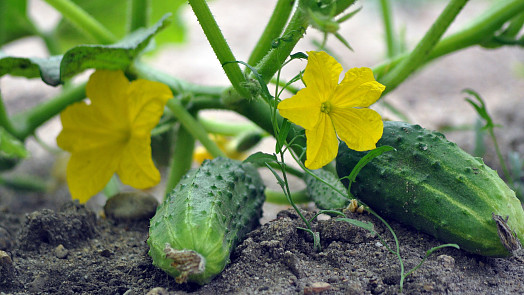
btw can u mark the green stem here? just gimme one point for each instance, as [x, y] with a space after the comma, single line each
[25, 183]
[477, 32]
[389, 29]
[295, 30]
[421, 52]
[26, 123]
[194, 127]
[219, 45]
[83, 20]
[278, 197]
[225, 128]
[139, 14]
[182, 158]
[272, 31]
[4, 119]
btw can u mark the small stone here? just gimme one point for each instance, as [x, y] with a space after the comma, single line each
[446, 261]
[428, 287]
[7, 270]
[61, 252]
[158, 291]
[317, 287]
[131, 206]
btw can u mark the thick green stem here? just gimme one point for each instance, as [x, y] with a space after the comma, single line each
[389, 29]
[194, 127]
[182, 158]
[477, 32]
[83, 20]
[139, 14]
[274, 28]
[269, 65]
[26, 123]
[421, 52]
[219, 45]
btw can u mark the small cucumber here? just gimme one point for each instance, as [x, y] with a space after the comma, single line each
[436, 187]
[324, 196]
[198, 225]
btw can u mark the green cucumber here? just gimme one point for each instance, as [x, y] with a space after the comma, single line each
[436, 187]
[200, 222]
[324, 196]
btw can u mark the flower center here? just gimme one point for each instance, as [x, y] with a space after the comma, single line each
[325, 107]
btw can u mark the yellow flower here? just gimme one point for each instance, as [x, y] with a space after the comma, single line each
[326, 109]
[112, 133]
[200, 154]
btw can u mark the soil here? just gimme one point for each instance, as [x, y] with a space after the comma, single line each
[73, 251]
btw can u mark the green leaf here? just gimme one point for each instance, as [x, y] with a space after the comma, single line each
[113, 15]
[364, 161]
[56, 69]
[14, 23]
[260, 159]
[11, 150]
[365, 225]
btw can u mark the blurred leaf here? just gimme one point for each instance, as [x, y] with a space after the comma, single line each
[11, 150]
[55, 69]
[113, 15]
[260, 159]
[14, 23]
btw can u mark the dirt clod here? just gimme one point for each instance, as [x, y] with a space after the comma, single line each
[71, 225]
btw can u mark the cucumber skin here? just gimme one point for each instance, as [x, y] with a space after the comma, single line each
[325, 197]
[436, 187]
[210, 210]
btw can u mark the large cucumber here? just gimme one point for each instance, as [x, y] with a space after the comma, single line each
[436, 187]
[198, 225]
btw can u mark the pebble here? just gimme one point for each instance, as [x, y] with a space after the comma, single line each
[7, 269]
[158, 291]
[6, 241]
[446, 261]
[317, 287]
[131, 206]
[61, 252]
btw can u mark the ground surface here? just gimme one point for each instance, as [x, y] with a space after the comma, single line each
[70, 251]
[103, 256]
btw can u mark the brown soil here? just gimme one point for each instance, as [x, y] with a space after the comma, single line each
[72, 251]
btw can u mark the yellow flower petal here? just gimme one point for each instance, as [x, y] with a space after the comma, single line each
[136, 165]
[84, 130]
[360, 129]
[302, 109]
[357, 89]
[89, 171]
[322, 144]
[107, 90]
[321, 74]
[146, 101]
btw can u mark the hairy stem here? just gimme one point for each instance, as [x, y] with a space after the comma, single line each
[219, 45]
[274, 28]
[421, 52]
